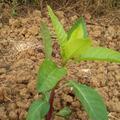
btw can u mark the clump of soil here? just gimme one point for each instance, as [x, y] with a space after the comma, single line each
[21, 53]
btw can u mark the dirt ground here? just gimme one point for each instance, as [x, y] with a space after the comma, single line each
[21, 53]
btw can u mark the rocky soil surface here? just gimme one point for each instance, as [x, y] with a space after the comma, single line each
[21, 53]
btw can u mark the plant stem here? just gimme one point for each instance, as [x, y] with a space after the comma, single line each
[49, 115]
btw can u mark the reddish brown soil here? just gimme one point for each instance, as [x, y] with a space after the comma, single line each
[21, 53]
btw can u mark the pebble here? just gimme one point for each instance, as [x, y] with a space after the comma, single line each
[33, 30]
[114, 106]
[13, 115]
[67, 98]
[58, 118]
[2, 71]
[15, 23]
[1, 25]
[1, 93]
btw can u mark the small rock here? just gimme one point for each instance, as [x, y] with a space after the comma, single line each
[2, 71]
[114, 106]
[67, 98]
[111, 31]
[24, 21]
[1, 25]
[3, 115]
[33, 30]
[57, 104]
[12, 106]
[24, 31]
[58, 118]
[76, 104]
[95, 82]
[117, 77]
[116, 92]
[1, 93]
[22, 104]
[60, 14]
[73, 18]
[13, 115]
[87, 16]
[23, 92]
[97, 31]
[15, 23]
[22, 115]
[31, 86]
[37, 13]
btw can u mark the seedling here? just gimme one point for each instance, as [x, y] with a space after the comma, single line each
[14, 3]
[74, 44]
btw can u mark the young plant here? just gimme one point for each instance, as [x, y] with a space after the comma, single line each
[14, 3]
[74, 44]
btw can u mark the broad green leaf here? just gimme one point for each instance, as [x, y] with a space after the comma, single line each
[61, 34]
[74, 48]
[65, 112]
[91, 101]
[46, 40]
[38, 110]
[101, 54]
[78, 30]
[49, 75]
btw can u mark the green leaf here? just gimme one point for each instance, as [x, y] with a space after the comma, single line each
[78, 30]
[46, 40]
[91, 101]
[38, 110]
[101, 54]
[65, 112]
[73, 48]
[78, 41]
[49, 75]
[60, 32]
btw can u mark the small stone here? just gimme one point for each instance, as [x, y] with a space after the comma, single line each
[73, 18]
[33, 30]
[12, 115]
[23, 92]
[67, 98]
[111, 31]
[37, 13]
[22, 115]
[1, 93]
[22, 104]
[95, 82]
[1, 25]
[117, 77]
[15, 23]
[114, 107]
[31, 86]
[116, 92]
[58, 118]
[57, 104]
[12, 106]
[3, 115]
[60, 14]
[2, 71]
[87, 16]
[76, 104]
[24, 31]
